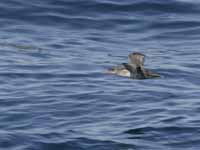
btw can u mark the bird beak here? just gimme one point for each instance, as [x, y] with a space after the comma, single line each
[109, 71]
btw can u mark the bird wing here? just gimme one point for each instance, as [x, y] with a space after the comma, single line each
[136, 59]
[130, 67]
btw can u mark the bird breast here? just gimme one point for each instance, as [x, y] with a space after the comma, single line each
[124, 73]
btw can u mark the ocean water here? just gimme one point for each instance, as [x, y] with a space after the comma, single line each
[54, 94]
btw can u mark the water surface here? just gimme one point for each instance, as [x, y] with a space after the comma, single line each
[55, 96]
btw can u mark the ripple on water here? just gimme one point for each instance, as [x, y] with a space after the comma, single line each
[54, 94]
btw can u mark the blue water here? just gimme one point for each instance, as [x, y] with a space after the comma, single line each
[55, 96]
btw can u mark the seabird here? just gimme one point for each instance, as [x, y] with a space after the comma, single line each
[134, 68]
